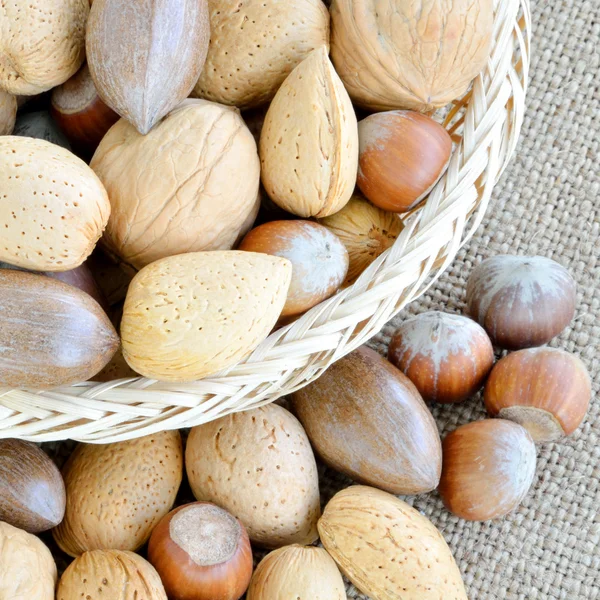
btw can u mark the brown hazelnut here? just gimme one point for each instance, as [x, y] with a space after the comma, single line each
[201, 552]
[521, 301]
[488, 469]
[402, 156]
[546, 390]
[446, 356]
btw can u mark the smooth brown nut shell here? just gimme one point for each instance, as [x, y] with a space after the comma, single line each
[297, 572]
[80, 113]
[366, 419]
[32, 492]
[309, 141]
[8, 112]
[254, 46]
[27, 569]
[201, 552]
[52, 333]
[260, 467]
[387, 549]
[190, 185]
[40, 125]
[488, 469]
[521, 301]
[546, 390]
[447, 357]
[54, 207]
[117, 493]
[319, 259]
[402, 156]
[366, 230]
[146, 57]
[110, 574]
[419, 55]
[42, 43]
[117, 368]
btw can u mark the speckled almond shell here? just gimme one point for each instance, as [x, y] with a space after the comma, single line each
[260, 467]
[42, 43]
[304, 572]
[110, 574]
[8, 112]
[52, 333]
[189, 316]
[254, 46]
[117, 493]
[53, 207]
[309, 141]
[418, 54]
[145, 57]
[387, 549]
[27, 569]
[191, 184]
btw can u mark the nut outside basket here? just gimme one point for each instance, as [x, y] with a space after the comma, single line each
[484, 125]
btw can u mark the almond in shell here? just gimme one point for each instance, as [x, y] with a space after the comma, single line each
[8, 112]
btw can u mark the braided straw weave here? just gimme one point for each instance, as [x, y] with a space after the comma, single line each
[485, 126]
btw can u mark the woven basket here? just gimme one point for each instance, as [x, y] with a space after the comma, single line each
[485, 127]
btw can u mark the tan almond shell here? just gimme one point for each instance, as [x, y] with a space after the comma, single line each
[260, 467]
[53, 207]
[417, 55]
[309, 141]
[110, 574]
[145, 57]
[190, 185]
[28, 571]
[366, 231]
[8, 112]
[305, 572]
[387, 549]
[256, 44]
[189, 316]
[42, 43]
[117, 493]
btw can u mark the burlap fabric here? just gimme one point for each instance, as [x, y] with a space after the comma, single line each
[548, 203]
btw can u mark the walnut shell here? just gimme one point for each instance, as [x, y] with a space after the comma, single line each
[255, 45]
[27, 569]
[189, 316]
[309, 141]
[366, 230]
[110, 574]
[145, 57]
[260, 467]
[54, 207]
[117, 493]
[8, 112]
[42, 43]
[417, 55]
[191, 184]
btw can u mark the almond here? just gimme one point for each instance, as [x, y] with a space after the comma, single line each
[54, 208]
[387, 549]
[8, 112]
[191, 184]
[309, 141]
[259, 466]
[42, 43]
[117, 493]
[255, 45]
[189, 316]
[110, 574]
[146, 57]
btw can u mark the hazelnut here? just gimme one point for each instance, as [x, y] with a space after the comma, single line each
[402, 156]
[521, 301]
[545, 390]
[487, 470]
[446, 356]
[201, 552]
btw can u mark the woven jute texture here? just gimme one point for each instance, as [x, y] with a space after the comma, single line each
[548, 203]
